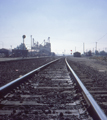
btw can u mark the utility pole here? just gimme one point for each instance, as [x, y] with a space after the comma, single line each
[83, 48]
[96, 46]
[31, 45]
[93, 50]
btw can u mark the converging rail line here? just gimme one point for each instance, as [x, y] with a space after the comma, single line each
[50, 92]
[95, 81]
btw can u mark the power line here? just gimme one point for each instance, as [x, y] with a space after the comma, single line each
[102, 37]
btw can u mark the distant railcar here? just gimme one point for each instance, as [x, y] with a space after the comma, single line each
[77, 54]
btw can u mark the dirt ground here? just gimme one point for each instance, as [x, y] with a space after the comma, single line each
[99, 65]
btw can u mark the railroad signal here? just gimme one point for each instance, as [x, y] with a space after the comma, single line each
[24, 36]
[71, 52]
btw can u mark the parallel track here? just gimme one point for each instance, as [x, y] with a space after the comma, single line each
[14, 68]
[48, 94]
[94, 81]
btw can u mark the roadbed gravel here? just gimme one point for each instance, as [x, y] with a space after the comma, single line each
[99, 65]
[15, 68]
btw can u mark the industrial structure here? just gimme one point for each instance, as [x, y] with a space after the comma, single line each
[4, 52]
[19, 53]
[43, 49]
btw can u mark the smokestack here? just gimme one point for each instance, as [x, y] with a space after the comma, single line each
[33, 41]
[49, 39]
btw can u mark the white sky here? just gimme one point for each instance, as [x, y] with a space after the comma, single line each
[68, 23]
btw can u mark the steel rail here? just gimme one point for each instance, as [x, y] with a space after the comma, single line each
[11, 85]
[94, 108]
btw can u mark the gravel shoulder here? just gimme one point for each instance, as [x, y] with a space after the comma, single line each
[98, 65]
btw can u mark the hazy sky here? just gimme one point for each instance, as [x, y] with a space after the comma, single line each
[68, 23]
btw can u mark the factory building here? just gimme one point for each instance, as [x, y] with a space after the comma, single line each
[42, 49]
[19, 53]
[4, 52]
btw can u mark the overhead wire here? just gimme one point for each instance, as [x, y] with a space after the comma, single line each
[102, 37]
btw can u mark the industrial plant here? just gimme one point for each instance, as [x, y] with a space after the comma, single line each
[43, 49]
[37, 50]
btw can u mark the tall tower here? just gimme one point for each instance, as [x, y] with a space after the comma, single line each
[49, 44]
[49, 39]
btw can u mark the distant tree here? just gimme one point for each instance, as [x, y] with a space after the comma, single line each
[89, 53]
[103, 53]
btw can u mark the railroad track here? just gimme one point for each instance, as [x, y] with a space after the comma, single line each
[12, 69]
[94, 81]
[50, 92]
